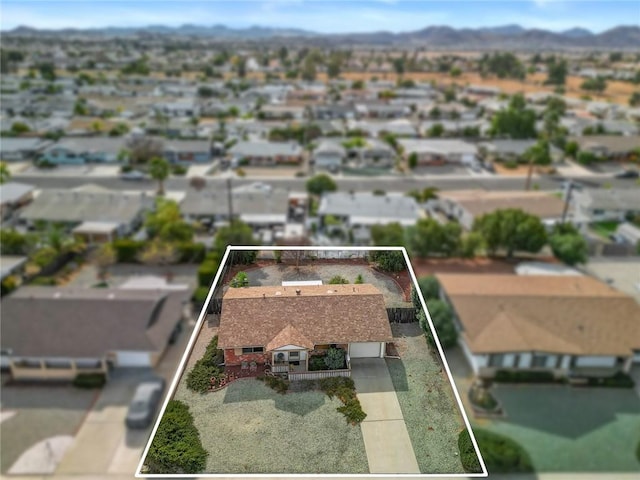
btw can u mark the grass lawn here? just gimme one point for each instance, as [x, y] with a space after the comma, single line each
[568, 429]
[427, 402]
[604, 229]
[249, 428]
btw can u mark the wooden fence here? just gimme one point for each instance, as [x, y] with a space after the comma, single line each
[319, 374]
[401, 315]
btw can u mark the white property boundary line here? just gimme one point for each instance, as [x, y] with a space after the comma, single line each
[196, 332]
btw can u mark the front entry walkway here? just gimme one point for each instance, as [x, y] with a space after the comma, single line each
[386, 439]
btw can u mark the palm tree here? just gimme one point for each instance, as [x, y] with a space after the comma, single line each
[5, 174]
[159, 170]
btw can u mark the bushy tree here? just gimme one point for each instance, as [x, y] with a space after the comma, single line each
[442, 318]
[516, 121]
[428, 237]
[321, 183]
[237, 233]
[5, 173]
[159, 170]
[338, 280]
[568, 245]
[389, 235]
[389, 261]
[166, 223]
[512, 230]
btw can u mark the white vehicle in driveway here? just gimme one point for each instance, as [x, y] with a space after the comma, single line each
[134, 175]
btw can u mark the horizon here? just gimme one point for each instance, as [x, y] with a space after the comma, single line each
[319, 16]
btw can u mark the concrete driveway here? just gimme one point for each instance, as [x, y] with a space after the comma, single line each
[386, 439]
[103, 443]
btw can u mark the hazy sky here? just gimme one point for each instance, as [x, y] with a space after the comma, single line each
[320, 15]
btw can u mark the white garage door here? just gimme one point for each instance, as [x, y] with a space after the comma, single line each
[364, 350]
[133, 359]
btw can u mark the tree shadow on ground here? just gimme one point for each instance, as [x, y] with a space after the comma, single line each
[398, 374]
[569, 412]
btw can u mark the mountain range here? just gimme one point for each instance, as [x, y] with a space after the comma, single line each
[443, 37]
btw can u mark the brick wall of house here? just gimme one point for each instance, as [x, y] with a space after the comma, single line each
[230, 357]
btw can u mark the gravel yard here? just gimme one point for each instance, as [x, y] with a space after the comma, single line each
[427, 402]
[276, 274]
[249, 428]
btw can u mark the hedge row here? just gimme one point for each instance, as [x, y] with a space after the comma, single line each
[208, 269]
[90, 380]
[619, 380]
[199, 378]
[524, 376]
[176, 446]
[500, 454]
[127, 250]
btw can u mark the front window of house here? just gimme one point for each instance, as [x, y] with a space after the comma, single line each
[246, 350]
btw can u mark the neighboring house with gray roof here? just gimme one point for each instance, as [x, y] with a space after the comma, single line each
[440, 151]
[600, 205]
[506, 150]
[56, 333]
[187, 152]
[17, 149]
[78, 151]
[358, 212]
[74, 207]
[266, 153]
[613, 147]
[14, 195]
[329, 154]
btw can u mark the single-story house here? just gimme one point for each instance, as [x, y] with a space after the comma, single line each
[281, 112]
[440, 151]
[401, 127]
[286, 326]
[14, 195]
[628, 233]
[600, 205]
[466, 205]
[568, 325]
[382, 110]
[612, 147]
[79, 151]
[482, 91]
[512, 150]
[333, 111]
[359, 211]
[259, 153]
[17, 149]
[75, 207]
[56, 333]
[187, 152]
[329, 154]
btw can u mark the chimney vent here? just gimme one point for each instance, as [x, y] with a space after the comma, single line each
[298, 291]
[264, 295]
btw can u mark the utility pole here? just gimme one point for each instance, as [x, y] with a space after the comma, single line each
[567, 199]
[230, 200]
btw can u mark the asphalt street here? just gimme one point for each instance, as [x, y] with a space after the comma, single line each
[390, 184]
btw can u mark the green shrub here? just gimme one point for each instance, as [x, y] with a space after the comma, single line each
[335, 358]
[353, 412]
[468, 456]
[510, 164]
[278, 384]
[619, 380]
[199, 378]
[200, 295]
[359, 279]
[240, 280]
[43, 282]
[317, 362]
[8, 285]
[176, 447]
[501, 454]
[338, 280]
[90, 380]
[524, 376]
[389, 261]
[344, 389]
[45, 256]
[127, 250]
[206, 273]
[191, 252]
[179, 170]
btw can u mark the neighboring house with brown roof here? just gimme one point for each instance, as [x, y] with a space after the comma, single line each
[467, 205]
[286, 325]
[56, 333]
[569, 325]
